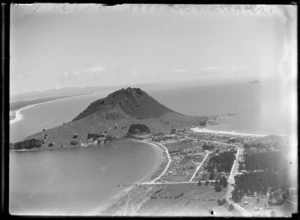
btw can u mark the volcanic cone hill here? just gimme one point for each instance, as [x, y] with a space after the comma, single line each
[113, 116]
[133, 102]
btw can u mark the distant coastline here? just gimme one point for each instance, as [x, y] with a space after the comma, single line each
[18, 106]
[205, 130]
[16, 115]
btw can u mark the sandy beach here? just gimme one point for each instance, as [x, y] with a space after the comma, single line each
[157, 162]
[17, 116]
[204, 130]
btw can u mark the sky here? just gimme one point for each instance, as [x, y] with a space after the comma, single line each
[55, 46]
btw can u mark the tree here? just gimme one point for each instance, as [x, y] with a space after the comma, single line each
[221, 201]
[28, 144]
[206, 183]
[257, 200]
[223, 182]
[199, 183]
[212, 175]
[231, 207]
[218, 188]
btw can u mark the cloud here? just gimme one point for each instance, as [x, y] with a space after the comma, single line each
[91, 71]
[19, 75]
[139, 73]
[94, 70]
[135, 73]
[181, 70]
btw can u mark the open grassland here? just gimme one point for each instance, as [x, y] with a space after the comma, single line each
[171, 200]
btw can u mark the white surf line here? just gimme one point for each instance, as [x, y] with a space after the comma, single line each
[204, 130]
[18, 115]
[199, 166]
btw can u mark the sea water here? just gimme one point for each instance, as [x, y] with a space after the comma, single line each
[260, 108]
[74, 181]
[78, 180]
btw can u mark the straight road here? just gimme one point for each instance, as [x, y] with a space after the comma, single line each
[231, 182]
[199, 166]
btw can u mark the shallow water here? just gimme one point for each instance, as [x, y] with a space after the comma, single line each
[74, 181]
[77, 181]
[50, 114]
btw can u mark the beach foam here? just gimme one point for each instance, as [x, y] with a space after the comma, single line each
[204, 130]
[18, 115]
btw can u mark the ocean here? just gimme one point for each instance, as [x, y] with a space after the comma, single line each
[78, 180]
[74, 181]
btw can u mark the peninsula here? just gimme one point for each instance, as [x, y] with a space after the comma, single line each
[201, 172]
[111, 118]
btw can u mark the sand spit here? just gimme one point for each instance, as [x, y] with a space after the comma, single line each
[17, 114]
[204, 130]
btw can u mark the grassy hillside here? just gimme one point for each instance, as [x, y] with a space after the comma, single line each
[132, 101]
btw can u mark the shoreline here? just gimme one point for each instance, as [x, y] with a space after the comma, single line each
[17, 116]
[234, 133]
[158, 161]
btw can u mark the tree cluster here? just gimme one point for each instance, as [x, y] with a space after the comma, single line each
[138, 128]
[221, 201]
[258, 182]
[272, 160]
[222, 162]
[28, 144]
[207, 147]
[73, 142]
[94, 136]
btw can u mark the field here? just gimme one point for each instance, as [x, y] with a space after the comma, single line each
[171, 200]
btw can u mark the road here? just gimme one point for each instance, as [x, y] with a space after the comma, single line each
[199, 166]
[167, 167]
[170, 183]
[231, 181]
[216, 142]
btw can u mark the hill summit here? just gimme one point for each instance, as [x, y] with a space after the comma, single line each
[131, 101]
[126, 111]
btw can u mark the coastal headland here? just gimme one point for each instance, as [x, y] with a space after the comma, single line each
[197, 171]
